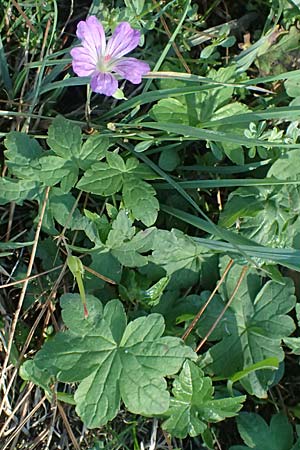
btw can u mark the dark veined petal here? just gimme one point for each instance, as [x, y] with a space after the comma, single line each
[104, 83]
[131, 69]
[123, 40]
[92, 34]
[82, 62]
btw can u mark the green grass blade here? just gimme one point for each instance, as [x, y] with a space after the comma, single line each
[237, 244]
[66, 82]
[4, 71]
[281, 113]
[227, 169]
[195, 184]
[194, 133]
[207, 222]
[153, 96]
[197, 222]
[189, 77]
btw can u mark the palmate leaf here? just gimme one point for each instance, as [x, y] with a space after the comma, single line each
[287, 166]
[294, 342]
[21, 152]
[173, 250]
[250, 331]
[27, 160]
[257, 435]
[139, 198]
[267, 215]
[51, 169]
[203, 108]
[112, 360]
[127, 246]
[193, 404]
[170, 109]
[258, 213]
[64, 138]
[12, 190]
[108, 178]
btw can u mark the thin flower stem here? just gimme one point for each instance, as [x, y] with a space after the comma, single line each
[197, 317]
[22, 296]
[176, 50]
[241, 277]
[88, 106]
[169, 45]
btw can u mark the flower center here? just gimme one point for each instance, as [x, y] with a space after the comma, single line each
[103, 63]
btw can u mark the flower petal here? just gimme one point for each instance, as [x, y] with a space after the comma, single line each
[131, 69]
[82, 62]
[92, 34]
[123, 40]
[104, 83]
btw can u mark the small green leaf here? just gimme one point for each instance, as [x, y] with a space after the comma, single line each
[93, 149]
[153, 295]
[51, 169]
[127, 246]
[143, 146]
[292, 87]
[257, 435]
[64, 138]
[21, 152]
[39, 376]
[193, 404]
[173, 250]
[139, 198]
[170, 109]
[110, 177]
[294, 344]
[101, 179]
[169, 160]
[12, 190]
[122, 230]
[115, 161]
[286, 166]
[60, 209]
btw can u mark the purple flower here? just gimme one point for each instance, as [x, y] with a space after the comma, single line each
[98, 59]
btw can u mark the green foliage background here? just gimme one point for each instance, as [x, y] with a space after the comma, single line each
[165, 225]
